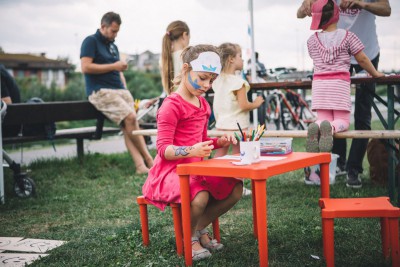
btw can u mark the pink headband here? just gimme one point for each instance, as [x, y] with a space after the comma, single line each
[316, 11]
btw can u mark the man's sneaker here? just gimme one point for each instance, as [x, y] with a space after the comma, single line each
[312, 138]
[246, 192]
[353, 179]
[326, 138]
[340, 170]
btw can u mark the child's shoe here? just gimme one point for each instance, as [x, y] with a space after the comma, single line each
[326, 137]
[312, 138]
[212, 244]
[311, 177]
[201, 253]
[246, 192]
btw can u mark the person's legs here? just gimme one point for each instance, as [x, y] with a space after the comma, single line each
[117, 105]
[362, 121]
[218, 207]
[324, 115]
[316, 138]
[136, 145]
[214, 210]
[197, 207]
[341, 120]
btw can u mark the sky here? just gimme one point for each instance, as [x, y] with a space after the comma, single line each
[58, 27]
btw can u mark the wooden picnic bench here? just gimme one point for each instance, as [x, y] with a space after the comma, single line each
[48, 112]
[388, 123]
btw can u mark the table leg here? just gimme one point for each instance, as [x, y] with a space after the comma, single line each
[324, 175]
[262, 229]
[186, 223]
[253, 201]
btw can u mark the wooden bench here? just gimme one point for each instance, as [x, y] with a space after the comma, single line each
[373, 134]
[33, 113]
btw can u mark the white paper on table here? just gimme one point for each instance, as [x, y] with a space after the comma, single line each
[18, 259]
[34, 245]
[266, 158]
[7, 241]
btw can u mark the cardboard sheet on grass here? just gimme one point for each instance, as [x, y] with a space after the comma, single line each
[22, 245]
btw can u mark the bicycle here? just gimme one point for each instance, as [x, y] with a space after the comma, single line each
[288, 109]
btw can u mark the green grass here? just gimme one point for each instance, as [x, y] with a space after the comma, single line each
[92, 206]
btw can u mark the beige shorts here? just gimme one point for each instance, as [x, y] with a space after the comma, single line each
[115, 104]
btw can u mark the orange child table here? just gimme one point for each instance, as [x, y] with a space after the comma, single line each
[258, 173]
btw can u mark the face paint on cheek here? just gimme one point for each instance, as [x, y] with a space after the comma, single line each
[193, 83]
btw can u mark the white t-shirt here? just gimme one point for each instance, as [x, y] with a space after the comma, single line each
[177, 62]
[362, 23]
[226, 106]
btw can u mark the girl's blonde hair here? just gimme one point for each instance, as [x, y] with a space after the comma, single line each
[174, 31]
[191, 53]
[227, 51]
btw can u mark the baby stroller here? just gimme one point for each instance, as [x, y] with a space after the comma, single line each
[24, 186]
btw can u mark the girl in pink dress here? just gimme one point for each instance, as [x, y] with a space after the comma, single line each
[182, 138]
[331, 50]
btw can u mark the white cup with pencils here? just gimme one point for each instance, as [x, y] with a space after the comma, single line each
[249, 152]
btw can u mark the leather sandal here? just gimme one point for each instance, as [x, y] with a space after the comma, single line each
[213, 245]
[201, 253]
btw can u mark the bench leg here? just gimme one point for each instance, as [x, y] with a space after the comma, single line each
[79, 147]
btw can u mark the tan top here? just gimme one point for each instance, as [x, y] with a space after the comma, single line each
[226, 107]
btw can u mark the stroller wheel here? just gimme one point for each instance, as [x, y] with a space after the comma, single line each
[25, 188]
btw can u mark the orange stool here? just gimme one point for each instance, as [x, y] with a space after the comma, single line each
[177, 217]
[361, 208]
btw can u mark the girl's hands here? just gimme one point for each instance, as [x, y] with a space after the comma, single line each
[202, 149]
[226, 140]
[378, 74]
[258, 101]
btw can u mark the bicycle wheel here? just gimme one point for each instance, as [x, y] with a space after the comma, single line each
[288, 122]
[272, 110]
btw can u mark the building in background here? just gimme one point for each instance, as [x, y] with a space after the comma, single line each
[46, 70]
[146, 61]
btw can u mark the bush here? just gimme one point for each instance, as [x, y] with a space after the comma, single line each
[141, 85]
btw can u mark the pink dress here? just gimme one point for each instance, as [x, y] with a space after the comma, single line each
[181, 124]
[331, 53]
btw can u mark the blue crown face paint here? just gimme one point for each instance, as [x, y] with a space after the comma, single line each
[194, 83]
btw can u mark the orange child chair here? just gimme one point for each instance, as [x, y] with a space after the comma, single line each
[177, 217]
[361, 208]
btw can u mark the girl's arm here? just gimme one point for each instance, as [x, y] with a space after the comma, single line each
[199, 150]
[244, 104]
[366, 64]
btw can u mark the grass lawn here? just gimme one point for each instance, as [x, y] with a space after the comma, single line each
[92, 206]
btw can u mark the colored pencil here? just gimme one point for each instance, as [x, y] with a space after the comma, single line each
[240, 129]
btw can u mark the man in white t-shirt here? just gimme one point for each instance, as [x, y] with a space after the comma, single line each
[357, 16]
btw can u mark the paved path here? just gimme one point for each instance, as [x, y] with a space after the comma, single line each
[108, 145]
